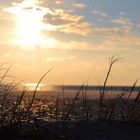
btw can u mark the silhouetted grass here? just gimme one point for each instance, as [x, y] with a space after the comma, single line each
[22, 111]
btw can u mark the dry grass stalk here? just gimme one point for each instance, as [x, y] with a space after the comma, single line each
[35, 91]
[73, 102]
[102, 93]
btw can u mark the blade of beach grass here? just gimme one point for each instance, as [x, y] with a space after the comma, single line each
[131, 91]
[1, 67]
[2, 82]
[137, 114]
[7, 90]
[17, 104]
[63, 93]
[116, 100]
[35, 91]
[57, 106]
[4, 75]
[110, 105]
[113, 60]
[125, 111]
[73, 102]
[8, 76]
[100, 93]
[134, 105]
[5, 113]
[63, 99]
[4, 96]
[85, 97]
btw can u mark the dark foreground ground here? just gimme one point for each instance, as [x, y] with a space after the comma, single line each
[72, 130]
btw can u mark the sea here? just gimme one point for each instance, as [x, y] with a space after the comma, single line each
[71, 90]
[95, 88]
[91, 91]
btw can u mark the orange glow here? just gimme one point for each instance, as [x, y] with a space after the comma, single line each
[32, 86]
[29, 24]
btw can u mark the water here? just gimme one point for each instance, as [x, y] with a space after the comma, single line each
[93, 88]
[92, 91]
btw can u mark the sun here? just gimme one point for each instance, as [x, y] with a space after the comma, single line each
[29, 16]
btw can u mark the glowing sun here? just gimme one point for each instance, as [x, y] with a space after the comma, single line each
[29, 16]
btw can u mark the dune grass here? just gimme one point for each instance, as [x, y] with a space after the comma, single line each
[23, 110]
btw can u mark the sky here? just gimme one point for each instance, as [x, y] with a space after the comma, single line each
[74, 37]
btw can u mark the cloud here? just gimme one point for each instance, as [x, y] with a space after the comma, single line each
[124, 21]
[27, 5]
[118, 43]
[128, 41]
[138, 25]
[122, 13]
[74, 28]
[67, 22]
[112, 31]
[58, 58]
[109, 44]
[99, 13]
[76, 45]
[7, 54]
[60, 20]
[52, 20]
[79, 5]
[59, 1]
[66, 15]
[104, 45]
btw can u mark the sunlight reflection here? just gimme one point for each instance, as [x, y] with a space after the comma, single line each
[32, 86]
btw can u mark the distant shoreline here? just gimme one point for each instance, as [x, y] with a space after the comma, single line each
[90, 87]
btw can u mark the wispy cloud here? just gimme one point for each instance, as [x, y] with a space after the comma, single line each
[65, 21]
[59, 20]
[138, 25]
[7, 54]
[66, 15]
[79, 5]
[112, 31]
[109, 44]
[58, 58]
[121, 20]
[99, 13]
[122, 13]
[59, 1]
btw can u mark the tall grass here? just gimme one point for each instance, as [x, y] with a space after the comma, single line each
[102, 113]
[35, 91]
[18, 109]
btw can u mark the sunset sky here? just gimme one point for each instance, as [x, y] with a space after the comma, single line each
[75, 37]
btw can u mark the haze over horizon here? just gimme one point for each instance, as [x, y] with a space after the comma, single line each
[75, 37]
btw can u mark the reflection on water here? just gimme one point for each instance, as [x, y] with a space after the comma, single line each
[63, 102]
[70, 90]
[43, 87]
